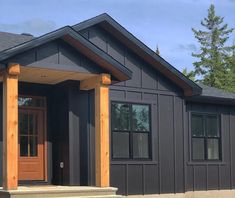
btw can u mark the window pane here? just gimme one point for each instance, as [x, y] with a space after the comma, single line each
[213, 149]
[120, 116]
[31, 102]
[120, 145]
[25, 101]
[197, 125]
[212, 126]
[140, 145]
[140, 117]
[23, 145]
[198, 149]
[33, 146]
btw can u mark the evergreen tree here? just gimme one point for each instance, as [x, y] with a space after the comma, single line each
[189, 74]
[213, 57]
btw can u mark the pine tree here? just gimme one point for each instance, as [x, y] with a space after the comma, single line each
[189, 74]
[212, 66]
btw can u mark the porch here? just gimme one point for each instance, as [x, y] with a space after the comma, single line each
[23, 159]
[60, 191]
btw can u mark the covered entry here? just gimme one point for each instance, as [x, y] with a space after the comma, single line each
[43, 82]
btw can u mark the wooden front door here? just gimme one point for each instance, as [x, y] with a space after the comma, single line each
[31, 144]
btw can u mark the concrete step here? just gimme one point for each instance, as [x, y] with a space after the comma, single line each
[60, 192]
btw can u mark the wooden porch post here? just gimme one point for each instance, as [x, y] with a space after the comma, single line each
[10, 127]
[102, 144]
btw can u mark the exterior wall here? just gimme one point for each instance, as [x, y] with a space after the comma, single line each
[147, 86]
[170, 170]
[212, 175]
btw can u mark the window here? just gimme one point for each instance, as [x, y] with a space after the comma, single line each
[130, 131]
[24, 101]
[206, 138]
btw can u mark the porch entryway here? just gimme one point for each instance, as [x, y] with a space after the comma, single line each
[25, 155]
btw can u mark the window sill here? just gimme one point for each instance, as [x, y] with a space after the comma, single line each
[207, 163]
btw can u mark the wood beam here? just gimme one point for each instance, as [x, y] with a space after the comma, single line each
[92, 82]
[102, 145]
[10, 127]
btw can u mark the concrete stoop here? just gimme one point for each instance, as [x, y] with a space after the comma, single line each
[60, 192]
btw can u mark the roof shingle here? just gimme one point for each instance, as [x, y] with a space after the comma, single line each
[8, 40]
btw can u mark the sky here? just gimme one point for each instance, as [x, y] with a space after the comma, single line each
[163, 23]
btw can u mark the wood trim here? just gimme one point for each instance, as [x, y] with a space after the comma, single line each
[10, 127]
[92, 82]
[102, 143]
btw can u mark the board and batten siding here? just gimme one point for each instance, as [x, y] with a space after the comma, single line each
[170, 170]
[212, 175]
[149, 87]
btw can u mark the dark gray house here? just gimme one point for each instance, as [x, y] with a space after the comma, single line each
[91, 105]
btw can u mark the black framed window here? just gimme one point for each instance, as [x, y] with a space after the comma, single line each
[130, 130]
[206, 137]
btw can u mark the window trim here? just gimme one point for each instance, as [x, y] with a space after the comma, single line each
[206, 137]
[130, 132]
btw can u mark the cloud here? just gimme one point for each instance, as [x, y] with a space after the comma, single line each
[187, 47]
[34, 26]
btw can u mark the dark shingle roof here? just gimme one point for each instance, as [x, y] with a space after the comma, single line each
[8, 40]
[215, 92]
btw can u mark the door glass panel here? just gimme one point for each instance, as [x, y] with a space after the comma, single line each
[28, 134]
[23, 145]
[23, 124]
[33, 146]
[31, 124]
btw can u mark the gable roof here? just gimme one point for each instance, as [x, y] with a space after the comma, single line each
[113, 27]
[70, 36]
[9, 40]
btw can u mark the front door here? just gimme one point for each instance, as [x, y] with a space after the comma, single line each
[31, 144]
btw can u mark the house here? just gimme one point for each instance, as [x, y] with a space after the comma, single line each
[91, 105]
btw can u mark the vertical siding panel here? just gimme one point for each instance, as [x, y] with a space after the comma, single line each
[166, 144]
[159, 140]
[1, 134]
[232, 132]
[213, 178]
[119, 177]
[200, 177]
[179, 147]
[135, 179]
[225, 169]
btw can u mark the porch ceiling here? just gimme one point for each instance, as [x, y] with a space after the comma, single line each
[49, 76]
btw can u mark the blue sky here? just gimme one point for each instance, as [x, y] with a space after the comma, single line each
[166, 23]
